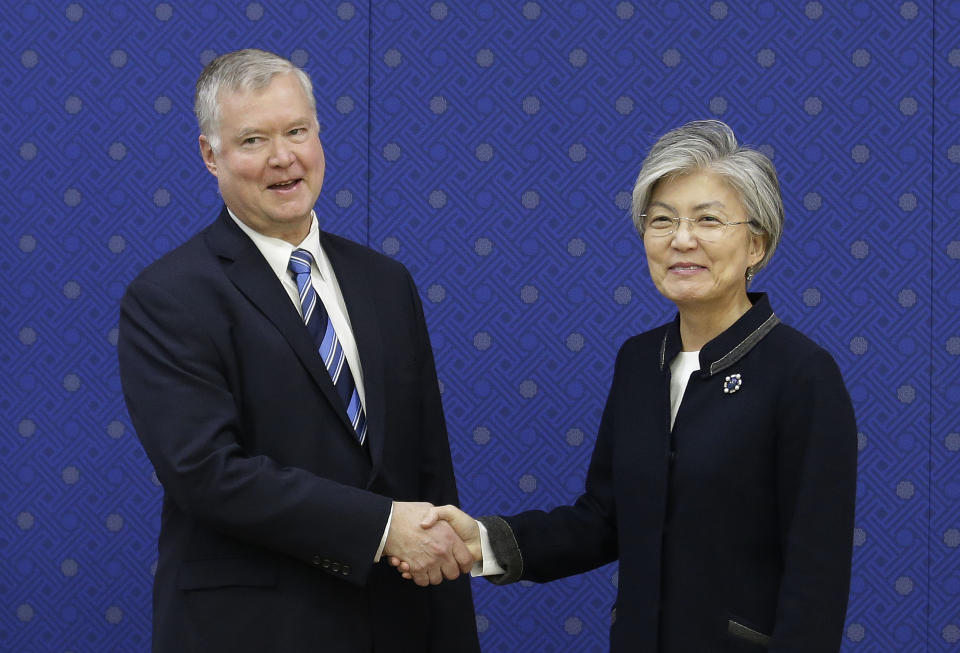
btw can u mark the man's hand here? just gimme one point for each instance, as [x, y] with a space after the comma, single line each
[463, 525]
[430, 553]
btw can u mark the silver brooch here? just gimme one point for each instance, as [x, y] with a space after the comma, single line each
[731, 384]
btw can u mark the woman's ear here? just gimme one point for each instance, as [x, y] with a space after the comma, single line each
[758, 248]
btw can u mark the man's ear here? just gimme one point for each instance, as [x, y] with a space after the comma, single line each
[209, 157]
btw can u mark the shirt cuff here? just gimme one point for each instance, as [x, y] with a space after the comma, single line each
[489, 565]
[383, 540]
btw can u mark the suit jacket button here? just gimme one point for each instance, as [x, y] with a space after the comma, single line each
[315, 561]
[345, 570]
[335, 567]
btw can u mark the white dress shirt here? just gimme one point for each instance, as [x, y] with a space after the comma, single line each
[681, 367]
[277, 253]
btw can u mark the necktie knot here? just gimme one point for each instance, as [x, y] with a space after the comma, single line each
[300, 261]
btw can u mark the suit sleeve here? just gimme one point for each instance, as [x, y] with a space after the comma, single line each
[454, 626]
[816, 477]
[174, 383]
[543, 546]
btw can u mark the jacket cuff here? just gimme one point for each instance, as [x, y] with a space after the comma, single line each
[505, 549]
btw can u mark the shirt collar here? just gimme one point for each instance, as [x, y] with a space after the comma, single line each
[731, 345]
[277, 251]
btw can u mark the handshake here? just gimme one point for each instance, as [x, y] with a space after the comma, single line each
[428, 543]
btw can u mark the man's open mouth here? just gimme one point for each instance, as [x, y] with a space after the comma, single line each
[284, 185]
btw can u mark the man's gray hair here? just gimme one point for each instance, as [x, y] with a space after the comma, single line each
[240, 70]
[710, 145]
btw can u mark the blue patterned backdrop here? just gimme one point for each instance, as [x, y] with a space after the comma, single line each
[491, 147]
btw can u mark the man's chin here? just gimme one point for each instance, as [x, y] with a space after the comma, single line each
[291, 213]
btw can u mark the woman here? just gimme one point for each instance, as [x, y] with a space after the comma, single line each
[723, 474]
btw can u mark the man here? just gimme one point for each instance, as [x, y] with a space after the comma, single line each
[282, 383]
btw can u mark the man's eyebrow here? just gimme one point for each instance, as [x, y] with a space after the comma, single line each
[243, 133]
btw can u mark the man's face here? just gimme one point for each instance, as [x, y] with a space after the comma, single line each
[270, 163]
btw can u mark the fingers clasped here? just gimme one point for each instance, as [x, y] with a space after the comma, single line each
[446, 548]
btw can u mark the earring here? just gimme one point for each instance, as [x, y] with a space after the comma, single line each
[750, 274]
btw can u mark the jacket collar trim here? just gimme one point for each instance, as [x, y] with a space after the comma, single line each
[745, 345]
[663, 348]
[731, 345]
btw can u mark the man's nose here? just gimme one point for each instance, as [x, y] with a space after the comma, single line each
[282, 155]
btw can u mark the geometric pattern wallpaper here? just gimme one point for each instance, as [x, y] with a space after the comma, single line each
[491, 147]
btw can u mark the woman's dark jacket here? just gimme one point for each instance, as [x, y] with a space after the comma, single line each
[734, 531]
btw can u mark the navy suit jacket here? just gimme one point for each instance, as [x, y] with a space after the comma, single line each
[272, 512]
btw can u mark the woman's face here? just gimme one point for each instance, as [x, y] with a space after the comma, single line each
[687, 271]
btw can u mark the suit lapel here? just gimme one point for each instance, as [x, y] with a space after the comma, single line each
[365, 323]
[251, 274]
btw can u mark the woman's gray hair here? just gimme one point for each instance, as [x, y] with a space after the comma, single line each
[240, 70]
[711, 145]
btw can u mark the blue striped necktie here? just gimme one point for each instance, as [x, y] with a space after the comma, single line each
[328, 344]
